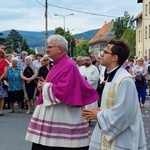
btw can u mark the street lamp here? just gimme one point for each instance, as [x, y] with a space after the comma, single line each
[70, 39]
[64, 19]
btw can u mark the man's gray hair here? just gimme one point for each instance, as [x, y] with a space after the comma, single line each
[25, 52]
[59, 41]
[80, 58]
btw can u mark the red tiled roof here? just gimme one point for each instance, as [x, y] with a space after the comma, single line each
[78, 41]
[100, 33]
[102, 39]
[137, 17]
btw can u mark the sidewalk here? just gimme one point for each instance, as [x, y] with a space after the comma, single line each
[146, 119]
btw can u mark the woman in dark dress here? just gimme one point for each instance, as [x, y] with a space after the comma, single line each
[29, 75]
[43, 71]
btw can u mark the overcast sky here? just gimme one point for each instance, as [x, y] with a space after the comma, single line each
[28, 15]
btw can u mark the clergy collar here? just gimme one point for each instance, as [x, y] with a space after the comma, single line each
[108, 72]
[59, 59]
[111, 74]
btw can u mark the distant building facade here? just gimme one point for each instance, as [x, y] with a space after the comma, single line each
[98, 42]
[40, 50]
[143, 30]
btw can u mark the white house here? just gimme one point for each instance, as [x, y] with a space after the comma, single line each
[143, 29]
[98, 42]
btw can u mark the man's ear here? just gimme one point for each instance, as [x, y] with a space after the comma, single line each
[115, 58]
[60, 50]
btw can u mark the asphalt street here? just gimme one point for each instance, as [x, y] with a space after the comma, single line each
[13, 127]
[146, 119]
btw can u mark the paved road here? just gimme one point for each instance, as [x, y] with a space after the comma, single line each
[13, 129]
[146, 119]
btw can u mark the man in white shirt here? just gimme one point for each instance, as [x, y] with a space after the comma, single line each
[21, 62]
[80, 61]
[91, 74]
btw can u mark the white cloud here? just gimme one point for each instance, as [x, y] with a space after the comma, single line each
[29, 14]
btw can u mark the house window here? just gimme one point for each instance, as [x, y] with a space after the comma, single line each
[146, 32]
[145, 52]
[149, 32]
[142, 35]
[149, 7]
[139, 35]
[146, 10]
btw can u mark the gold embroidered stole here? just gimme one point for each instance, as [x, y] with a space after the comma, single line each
[109, 102]
[105, 145]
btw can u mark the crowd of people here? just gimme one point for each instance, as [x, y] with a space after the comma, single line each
[137, 67]
[21, 75]
[68, 94]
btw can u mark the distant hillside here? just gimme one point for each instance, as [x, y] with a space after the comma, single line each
[37, 39]
[34, 39]
[86, 35]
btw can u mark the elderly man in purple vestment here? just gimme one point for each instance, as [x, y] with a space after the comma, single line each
[57, 123]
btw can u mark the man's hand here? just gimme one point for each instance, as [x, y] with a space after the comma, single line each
[40, 85]
[90, 114]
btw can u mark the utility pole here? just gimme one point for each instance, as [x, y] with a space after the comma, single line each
[46, 24]
[64, 16]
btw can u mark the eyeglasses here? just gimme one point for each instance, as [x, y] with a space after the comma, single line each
[49, 47]
[46, 60]
[86, 59]
[23, 54]
[105, 52]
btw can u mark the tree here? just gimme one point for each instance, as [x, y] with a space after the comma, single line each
[59, 31]
[13, 40]
[2, 40]
[71, 43]
[82, 49]
[129, 36]
[24, 45]
[121, 24]
[123, 28]
[31, 51]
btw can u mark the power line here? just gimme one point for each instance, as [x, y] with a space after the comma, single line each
[83, 11]
[48, 13]
[40, 3]
[51, 19]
